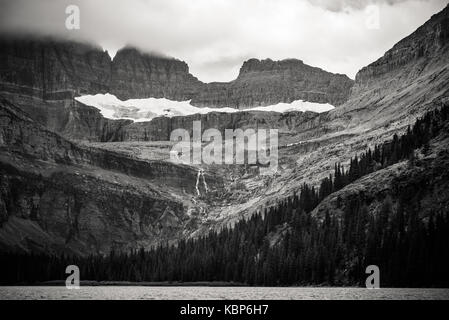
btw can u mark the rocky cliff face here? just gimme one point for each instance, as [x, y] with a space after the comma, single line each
[55, 70]
[58, 70]
[138, 75]
[68, 117]
[266, 82]
[159, 129]
[52, 70]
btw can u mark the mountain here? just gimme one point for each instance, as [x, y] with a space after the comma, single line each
[411, 75]
[42, 76]
[387, 96]
[414, 53]
[265, 82]
[55, 69]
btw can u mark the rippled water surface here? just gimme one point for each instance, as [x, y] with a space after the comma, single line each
[204, 293]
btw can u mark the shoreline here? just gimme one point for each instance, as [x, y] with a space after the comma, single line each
[93, 283]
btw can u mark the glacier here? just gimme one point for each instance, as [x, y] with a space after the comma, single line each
[140, 110]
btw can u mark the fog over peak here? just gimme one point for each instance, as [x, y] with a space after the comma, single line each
[215, 36]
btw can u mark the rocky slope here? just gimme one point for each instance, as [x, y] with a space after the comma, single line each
[413, 73]
[388, 95]
[56, 195]
[425, 43]
[425, 182]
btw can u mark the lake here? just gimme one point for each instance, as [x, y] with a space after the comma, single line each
[207, 293]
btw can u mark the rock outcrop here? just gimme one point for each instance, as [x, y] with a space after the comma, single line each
[267, 82]
[135, 74]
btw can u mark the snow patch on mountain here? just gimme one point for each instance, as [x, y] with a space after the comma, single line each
[297, 105]
[140, 110]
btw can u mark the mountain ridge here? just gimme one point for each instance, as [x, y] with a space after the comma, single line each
[54, 70]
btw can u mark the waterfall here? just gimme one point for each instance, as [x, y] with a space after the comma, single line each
[197, 182]
[204, 180]
[198, 176]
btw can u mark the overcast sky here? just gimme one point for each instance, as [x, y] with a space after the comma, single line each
[215, 36]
